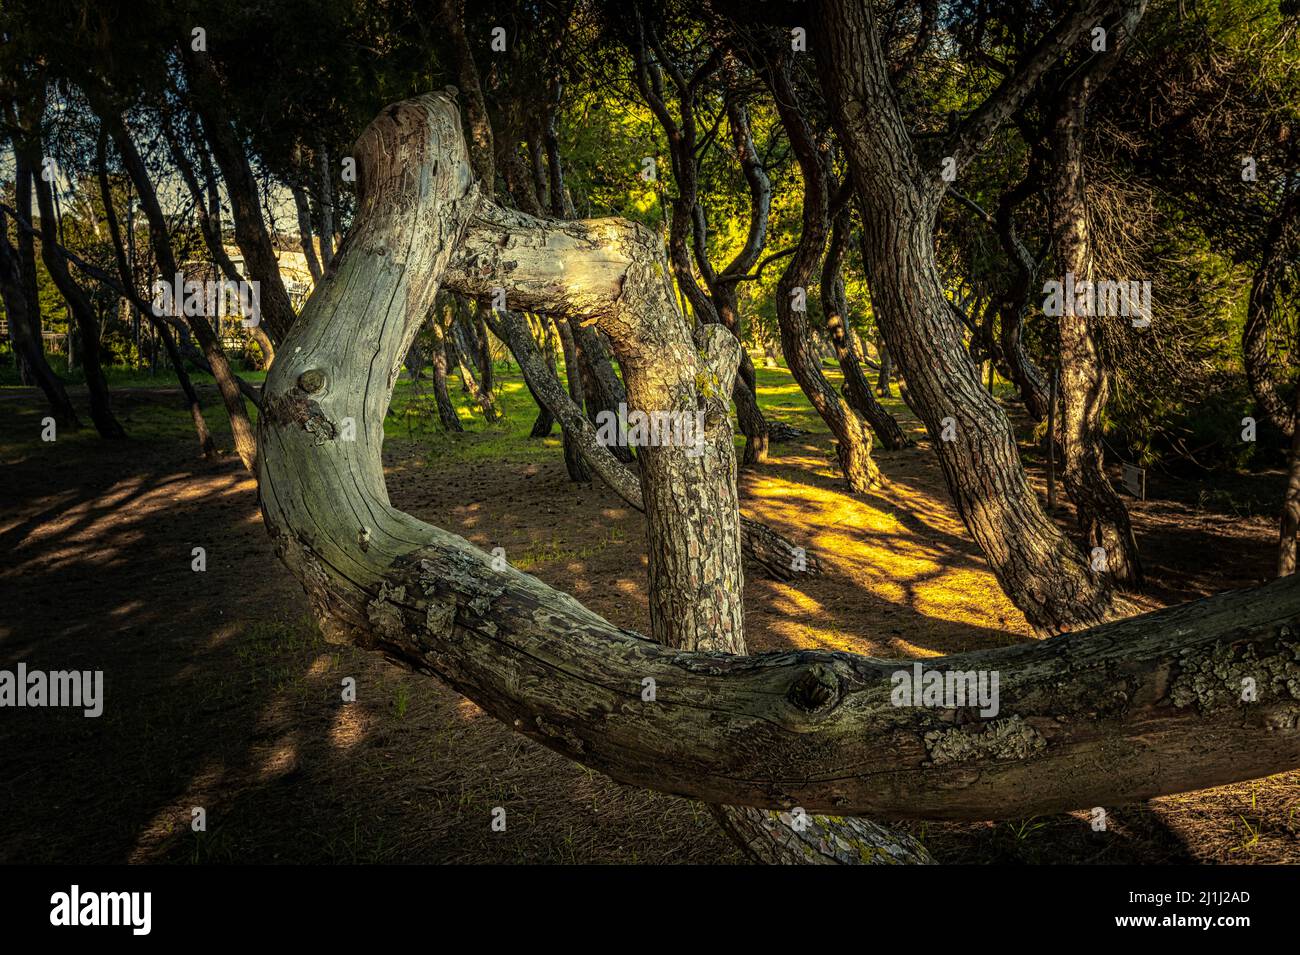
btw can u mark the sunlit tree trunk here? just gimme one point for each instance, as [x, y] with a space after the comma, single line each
[1040, 570]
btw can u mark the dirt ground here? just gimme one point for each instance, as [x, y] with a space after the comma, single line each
[221, 695]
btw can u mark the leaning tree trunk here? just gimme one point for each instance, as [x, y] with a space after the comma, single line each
[545, 420]
[779, 557]
[1124, 712]
[17, 310]
[207, 446]
[1085, 386]
[835, 307]
[241, 429]
[101, 407]
[438, 359]
[574, 462]
[1038, 567]
[251, 236]
[852, 440]
[23, 174]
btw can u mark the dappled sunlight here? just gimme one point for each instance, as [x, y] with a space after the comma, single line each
[349, 727]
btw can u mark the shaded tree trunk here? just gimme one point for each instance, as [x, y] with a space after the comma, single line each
[1085, 387]
[835, 307]
[101, 407]
[241, 429]
[305, 231]
[207, 446]
[29, 370]
[852, 440]
[574, 462]
[17, 310]
[250, 229]
[882, 378]
[464, 346]
[438, 359]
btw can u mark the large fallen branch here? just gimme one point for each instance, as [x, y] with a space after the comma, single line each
[1156, 704]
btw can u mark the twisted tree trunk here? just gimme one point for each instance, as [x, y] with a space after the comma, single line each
[1117, 714]
[852, 440]
[1038, 567]
[835, 306]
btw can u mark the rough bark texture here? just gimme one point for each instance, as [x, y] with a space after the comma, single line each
[852, 440]
[413, 155]
[1085, 384]
[1120, 713]
[1038, 567]
[835, 307]
[779, 557]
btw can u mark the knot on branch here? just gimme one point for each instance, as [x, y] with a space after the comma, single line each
[817, 688]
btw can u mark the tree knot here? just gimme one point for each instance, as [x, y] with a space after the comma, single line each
[816, 688]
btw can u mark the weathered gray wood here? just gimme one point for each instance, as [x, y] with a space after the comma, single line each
[1118, 713]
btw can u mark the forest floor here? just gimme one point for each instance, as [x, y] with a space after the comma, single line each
[221, 694]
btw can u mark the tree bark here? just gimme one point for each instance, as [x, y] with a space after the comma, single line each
[17, 309]
[573, 459]
[250, 229]
[1085, 387]
[32, 374]
[1279, 253]
[1040, 570]
[463, 345]
[207, 446]
[305, 231]
[326, 192]
[852, 440]
[835, 307]
[438, 358]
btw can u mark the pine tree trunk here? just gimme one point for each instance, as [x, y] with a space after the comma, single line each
[835, 307]
[1039, 569]
[852, 440]
[1085, 387]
